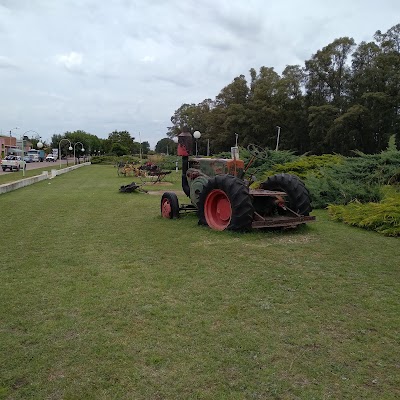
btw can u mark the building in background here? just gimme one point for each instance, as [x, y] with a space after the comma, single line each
[7, 143]
[10, 145]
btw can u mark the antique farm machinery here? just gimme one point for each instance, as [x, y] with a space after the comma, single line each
[219, 192]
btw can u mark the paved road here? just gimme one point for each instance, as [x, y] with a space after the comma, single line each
[44, 164]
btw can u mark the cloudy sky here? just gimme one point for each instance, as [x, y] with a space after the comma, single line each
[129, 64]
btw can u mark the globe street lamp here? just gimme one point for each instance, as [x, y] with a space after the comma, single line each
[82, 149]
[196, 135]
[37, 136]
[59, 149]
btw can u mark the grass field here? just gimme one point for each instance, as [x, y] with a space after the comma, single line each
[101, 298]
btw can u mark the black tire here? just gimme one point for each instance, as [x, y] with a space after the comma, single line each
[237, 193]
[298, 197]
[169, 205]
[3, 168]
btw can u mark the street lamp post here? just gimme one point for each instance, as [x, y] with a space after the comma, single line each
[277, 139]
[175, 139]
[24, 137]
[59, 148]
[9, 143]
[13, 129]
[23, 161]
[196, 135]
[82, 149]
[140, 148]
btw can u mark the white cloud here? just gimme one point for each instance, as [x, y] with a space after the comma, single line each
[71, 61]
[5, 62]
[148, 59]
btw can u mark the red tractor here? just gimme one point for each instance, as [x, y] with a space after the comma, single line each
[221, 196]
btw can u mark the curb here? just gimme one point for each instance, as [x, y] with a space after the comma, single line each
[8, 187]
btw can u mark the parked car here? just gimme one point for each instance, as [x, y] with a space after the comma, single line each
[50, 157]
[28, 159]
[13, 163]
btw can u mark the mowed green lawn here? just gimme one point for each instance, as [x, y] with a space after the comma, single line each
[101, 298]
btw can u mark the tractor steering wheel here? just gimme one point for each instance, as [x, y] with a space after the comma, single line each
[257, 151]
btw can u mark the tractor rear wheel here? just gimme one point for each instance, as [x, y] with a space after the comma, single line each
[298, 197]
[169, 205]
[225, 203]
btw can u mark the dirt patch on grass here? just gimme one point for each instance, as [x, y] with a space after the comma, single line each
[162, 183]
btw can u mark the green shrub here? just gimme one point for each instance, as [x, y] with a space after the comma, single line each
[165, 163]
[305, 165]
[383, 217]
[356, 178]
[111, 160]
[330, 190]
[103, 159]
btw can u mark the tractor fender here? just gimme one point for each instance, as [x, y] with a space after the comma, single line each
[196, 187]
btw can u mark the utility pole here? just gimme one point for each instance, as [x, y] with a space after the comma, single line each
[140, 148]
[277, 139]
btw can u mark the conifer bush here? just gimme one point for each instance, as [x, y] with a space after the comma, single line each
[382, 217]
[357, 178]
[305, 165]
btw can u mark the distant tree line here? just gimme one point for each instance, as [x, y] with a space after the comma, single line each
[118, 143]
[345, 97]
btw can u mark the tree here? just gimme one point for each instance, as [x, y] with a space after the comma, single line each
[125, 140]
[234, 93]
[264, 86]
[90, 142]
[145, 147]
[292, 111]
[320, 121]
[390, 40]
[182, 117]
[328, 73]
[119, 149]
[366, 76]
[329, 105]
[165, 146]
[348, 132]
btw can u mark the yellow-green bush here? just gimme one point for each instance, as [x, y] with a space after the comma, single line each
[382, 217]
[304, 166]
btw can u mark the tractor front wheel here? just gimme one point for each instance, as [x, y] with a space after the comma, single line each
[225, 203]
[169, 205]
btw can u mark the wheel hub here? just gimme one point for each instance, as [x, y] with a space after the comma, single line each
[218, 210]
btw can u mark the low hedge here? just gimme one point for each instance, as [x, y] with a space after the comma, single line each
[382, 217]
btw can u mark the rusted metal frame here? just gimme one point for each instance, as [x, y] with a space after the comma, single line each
[281, 221]
[289, 209]
[263, 192]
[186, 208]
[249, 164]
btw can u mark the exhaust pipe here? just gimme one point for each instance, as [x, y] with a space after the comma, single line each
[185, 145]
